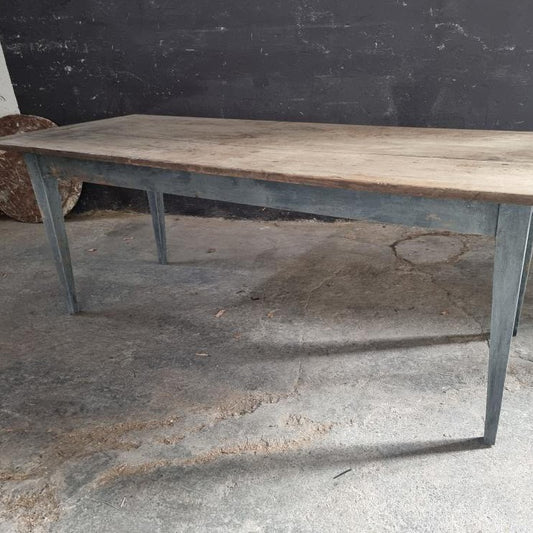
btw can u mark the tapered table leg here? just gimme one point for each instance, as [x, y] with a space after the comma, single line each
[511, 243]
[523, 282]
[157, 209]
[49, 201]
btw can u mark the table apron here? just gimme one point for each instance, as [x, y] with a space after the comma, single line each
[457, 215]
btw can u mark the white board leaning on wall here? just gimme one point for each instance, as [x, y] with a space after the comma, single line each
[8, 102]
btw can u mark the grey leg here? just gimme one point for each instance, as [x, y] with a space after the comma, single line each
[511, 242]
[157, 208]
[49, 201]
[523, 282]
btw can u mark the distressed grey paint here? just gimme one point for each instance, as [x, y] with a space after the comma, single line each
[511, 240]
[523, 281]
[49, 201]
[454, 215]
[157, 209]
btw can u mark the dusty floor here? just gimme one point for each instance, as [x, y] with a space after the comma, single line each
[229, 390]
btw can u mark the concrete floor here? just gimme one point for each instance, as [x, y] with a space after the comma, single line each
[341, 346]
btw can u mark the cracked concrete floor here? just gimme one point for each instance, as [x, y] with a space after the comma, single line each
[228, 390]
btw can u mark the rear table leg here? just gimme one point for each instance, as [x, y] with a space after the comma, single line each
[49, 202]
[511, 244]
[157, 208]
[523, 282]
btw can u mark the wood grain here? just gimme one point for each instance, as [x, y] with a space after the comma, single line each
[17, 198]
[495, 166]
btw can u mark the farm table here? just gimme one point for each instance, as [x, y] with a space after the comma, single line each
[478, 182]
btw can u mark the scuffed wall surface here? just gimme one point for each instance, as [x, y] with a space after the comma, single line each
[444, 63]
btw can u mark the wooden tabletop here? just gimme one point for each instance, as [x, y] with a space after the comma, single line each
[494, 166]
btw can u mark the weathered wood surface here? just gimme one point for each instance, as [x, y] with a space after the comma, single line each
[495, 166]
[17, 198]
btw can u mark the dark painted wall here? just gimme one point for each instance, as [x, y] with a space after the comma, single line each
[451, 63]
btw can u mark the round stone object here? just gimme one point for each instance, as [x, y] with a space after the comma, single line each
[17, 199]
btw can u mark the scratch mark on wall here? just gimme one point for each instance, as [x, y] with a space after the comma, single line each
[457, 28]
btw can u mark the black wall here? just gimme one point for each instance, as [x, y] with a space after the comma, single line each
[450, 63]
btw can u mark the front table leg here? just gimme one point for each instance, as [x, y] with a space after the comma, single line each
[157, 208]
[49, 201]
[511, 243]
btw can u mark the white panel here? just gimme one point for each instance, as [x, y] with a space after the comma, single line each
[8, 102]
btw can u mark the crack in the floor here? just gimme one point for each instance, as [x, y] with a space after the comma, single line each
[297, 381]
[313, 290]
[457, 302]
[450, 260]
[454, 301]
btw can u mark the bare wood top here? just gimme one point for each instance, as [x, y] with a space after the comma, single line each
[494, 166]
